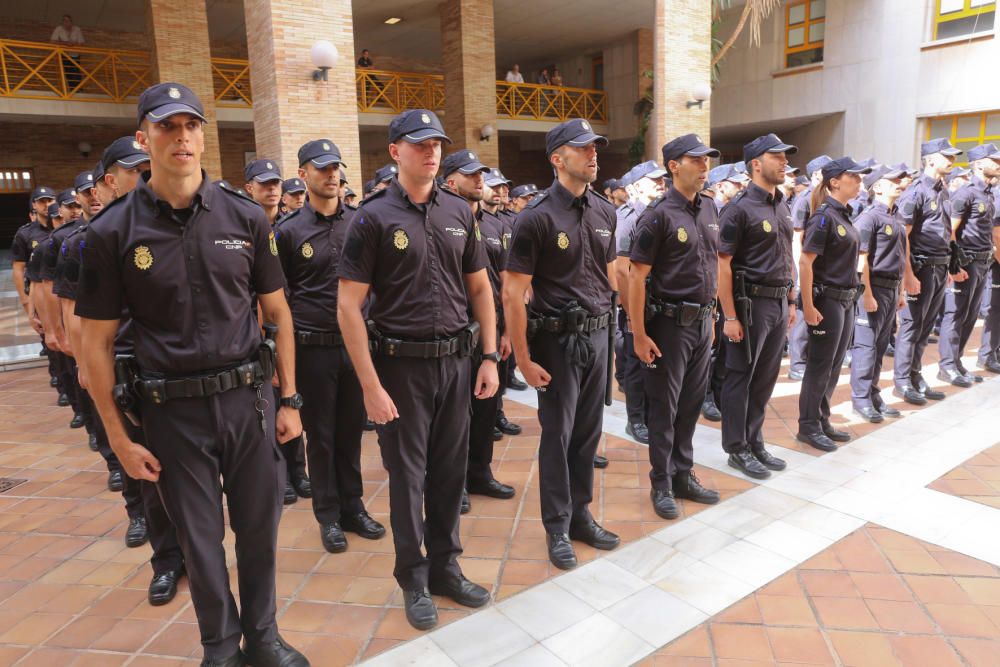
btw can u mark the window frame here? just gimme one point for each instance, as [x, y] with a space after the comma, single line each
[968, 12]
[981, 138]
[807, 23]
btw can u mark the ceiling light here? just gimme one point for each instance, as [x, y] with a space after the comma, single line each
[393, 20]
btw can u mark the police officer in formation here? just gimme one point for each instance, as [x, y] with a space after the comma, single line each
[563, 249]
[990, 345]
[676, 246]
[828, 278]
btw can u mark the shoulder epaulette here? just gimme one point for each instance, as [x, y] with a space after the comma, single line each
[539, 198]
[657, 201]
[104, 209]
[738, 196]
[601, 195]
[235, 192]
[374, 195]
[453, 194]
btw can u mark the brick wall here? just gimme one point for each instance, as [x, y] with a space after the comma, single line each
[234, 144]
[55, 160]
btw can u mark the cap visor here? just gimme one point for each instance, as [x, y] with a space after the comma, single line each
[702, 151]
[421, 136]
[266, 177]
[473, 168]
[295, 190]
[950, 151]
[587, 139]
[168, 110]
[859, 170]
[739, 178]
[894, 174]
[783, 148]
[130, 161]
[41, 197]
[657, 173]
[326, 160]
[86, 186]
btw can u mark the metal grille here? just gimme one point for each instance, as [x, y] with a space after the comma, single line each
[8, 483]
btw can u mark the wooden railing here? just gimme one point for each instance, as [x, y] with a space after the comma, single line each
[36, 70]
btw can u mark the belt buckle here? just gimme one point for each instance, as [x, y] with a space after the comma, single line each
[390, 346]
[155, 390]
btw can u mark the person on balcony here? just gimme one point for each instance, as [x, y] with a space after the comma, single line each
[514, 75]
[67, 33]
[365, 60]
[556, 78]
[543, 78]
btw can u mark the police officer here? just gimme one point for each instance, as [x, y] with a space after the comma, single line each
[644, 181]
[990, 344]
[755, 249]
[310, 244]
[973, 217]
[923, 207]
[677, 245]
[350, 197]
[293, 194]
[86, 195]
[725, 183]
[828, 276]
[186, 256]
[563, 249]
[26, 239]
[263, 184]
[882, 247]
[798, 337]
[522, 195]
[465, 175]
[414, 247]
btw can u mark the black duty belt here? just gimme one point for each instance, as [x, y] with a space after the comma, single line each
[887, 283]
[979, 256]
[839, 293]
[933, 260]
[684, 313]
[463, 344]
[162, 390]
[767, 291]
[557, 324]
[323, 338]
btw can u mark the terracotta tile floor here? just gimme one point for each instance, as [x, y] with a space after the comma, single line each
[74, 594]
[978, 479]
[876, 597]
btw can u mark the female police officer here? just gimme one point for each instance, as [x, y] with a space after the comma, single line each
[829, 280]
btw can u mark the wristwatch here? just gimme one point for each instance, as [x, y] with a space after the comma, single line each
[492, 356]
[294, 402]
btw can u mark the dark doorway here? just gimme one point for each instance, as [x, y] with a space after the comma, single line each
[13, 214]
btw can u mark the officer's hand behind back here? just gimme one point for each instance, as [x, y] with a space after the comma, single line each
[645, 349]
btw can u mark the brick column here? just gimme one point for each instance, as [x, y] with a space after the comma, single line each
[289, 108]
[682, 54]
[469, 64]
[181, 53]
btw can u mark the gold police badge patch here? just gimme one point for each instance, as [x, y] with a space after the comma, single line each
[34, 244]
[841, 231]
[888, 230]
[933, 205]
[682, 235]
[562, 241]
[767, 226]
[982, 207]
[142, 257]
[307, 250]
[273, 243]
[400, 240]
[479, 235]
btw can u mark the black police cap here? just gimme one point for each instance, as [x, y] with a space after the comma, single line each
[844, 165]
[464, 162]
[769, 143]
[939, 145]
[385, 173]
[42, 192]
[349, 193]
[496, 178]
[575, 132]
[125, 152]
[84, 181]
[98, 171]
[984, 151]
[881, 171]
[66, 197]
[368, 187]
[262, 171]
[526, 190]
[54, 210]
[416, 126]
[609, 184]
[689, 144]
[817, 164]
[321, 153]
[168, 99]
[293, 185]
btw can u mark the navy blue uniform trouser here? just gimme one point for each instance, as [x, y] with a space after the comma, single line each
[961, 310]
[827, 346]
[916, 321]
[990, 344]
[872, 332]
[675, 390]
[482, 422]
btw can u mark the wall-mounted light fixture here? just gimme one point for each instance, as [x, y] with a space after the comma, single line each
[84, 147]
[324, 56]
[486, 131]
[699, 93]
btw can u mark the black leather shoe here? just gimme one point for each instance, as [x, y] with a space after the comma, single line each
[497, 434]
[115, 481]
[889, 411]
[639, 432]
[92, 442]
[600, 462]
[491, 488]
[745, 462]
[420, 609]
[766, 459]
[561, 552]
[137, 533]
[796, 375]
[991, 365]
[955, 378]
[710, 411]
[77, 421]
[290, 496]
[333, 538]
[835, 434]
[932, 394]
[466, 503]
[163, 587]
[591, 533]
[818, 440]
[848, 358]
[687, 486]
[870, 414]
[369, 425]
[890, 351]
[910, 395]
[516, 384]
[276, 654]
[62, 401]
[461, 590]
[362, 524]
[664, 504]
[53, 382]
[507, 426]
[238, 659]
[303, 487]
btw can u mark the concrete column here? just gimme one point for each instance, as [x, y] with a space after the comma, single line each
[289, 108]
[682, 55]
[181, 53]
[469, 64]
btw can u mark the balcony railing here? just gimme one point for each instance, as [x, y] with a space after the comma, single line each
[34, 70]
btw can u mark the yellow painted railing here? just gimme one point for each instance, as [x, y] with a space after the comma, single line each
[36, 70]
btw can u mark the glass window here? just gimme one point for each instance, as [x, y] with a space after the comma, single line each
[967, 130]
[993, 125]
[796, 37]
[817, 9]
[796, 14]
[805, 23]
[955, 18]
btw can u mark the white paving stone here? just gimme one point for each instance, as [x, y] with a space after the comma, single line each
[706, 587]
[420, 652]
[600, 583]
[650, 560]
[494, 637]
[596, 642]
[536, 656]
[544, 610]
[655, 615]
